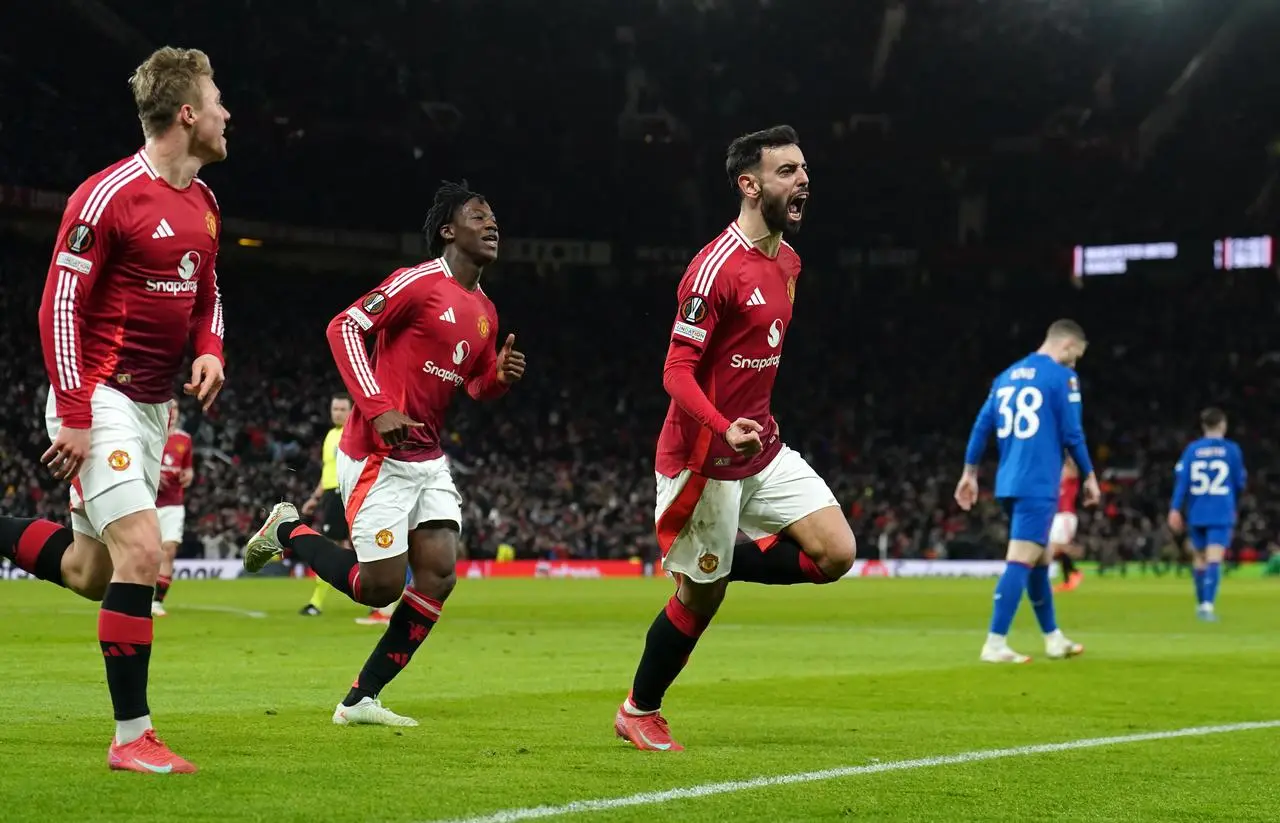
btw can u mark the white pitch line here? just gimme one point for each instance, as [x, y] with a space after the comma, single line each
[187, 607]
[731, 786]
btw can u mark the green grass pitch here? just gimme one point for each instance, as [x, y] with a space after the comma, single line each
[517, 687]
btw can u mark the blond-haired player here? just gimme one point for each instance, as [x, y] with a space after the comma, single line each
[131, 283]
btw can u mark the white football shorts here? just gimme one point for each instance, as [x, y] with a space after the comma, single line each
[172, 521]
[1063, 531]
[698, 518]
[385, 499]
[122, 473]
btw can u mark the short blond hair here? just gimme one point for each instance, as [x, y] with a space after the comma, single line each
[164, 83]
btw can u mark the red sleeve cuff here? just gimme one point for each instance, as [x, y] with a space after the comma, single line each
[375, 406]
[74, 414]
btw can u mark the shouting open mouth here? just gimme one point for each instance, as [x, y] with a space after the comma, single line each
[795, 206]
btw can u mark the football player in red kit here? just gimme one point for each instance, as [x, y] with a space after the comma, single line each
[434, 330]
[141, 234]
[1063, 534]
[177, 471]
[721, 464]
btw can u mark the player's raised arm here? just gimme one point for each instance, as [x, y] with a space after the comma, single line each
[496, 372]
[85, 240]
[393, 304]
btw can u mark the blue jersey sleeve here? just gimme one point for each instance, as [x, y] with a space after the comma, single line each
[1071, 421]
[981, 432]
[1181, 479]
[1238, 472]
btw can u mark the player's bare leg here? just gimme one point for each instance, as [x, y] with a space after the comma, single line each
[433, 558]
[670, 641]
[168, 552]
[818, 548]
[125, 632]
[54, 553]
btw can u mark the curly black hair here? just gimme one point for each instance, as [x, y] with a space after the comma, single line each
[449, 198]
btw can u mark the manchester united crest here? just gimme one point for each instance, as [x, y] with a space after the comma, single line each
[211, 223]
[482, 323]
[791, 289]
[384, 539]
[708, 563]
[119, 460]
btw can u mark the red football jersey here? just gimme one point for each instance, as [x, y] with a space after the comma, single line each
[132, 279]
[734, 310]
[177, 458]
[432, 337]
[1068, 491]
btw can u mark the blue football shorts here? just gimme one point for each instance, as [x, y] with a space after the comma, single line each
[1030, 518]
[1202, 537]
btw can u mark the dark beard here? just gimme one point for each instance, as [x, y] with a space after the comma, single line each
[774, 212]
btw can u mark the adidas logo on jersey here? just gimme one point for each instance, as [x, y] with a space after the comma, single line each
[162, 230]
[756, 298]
[449, 316]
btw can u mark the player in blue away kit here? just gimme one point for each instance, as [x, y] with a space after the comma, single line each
[1208, 480]
[1034, 410]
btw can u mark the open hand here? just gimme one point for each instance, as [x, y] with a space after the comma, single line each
[67, 454]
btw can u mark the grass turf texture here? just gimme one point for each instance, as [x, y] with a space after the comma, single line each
[517, 687]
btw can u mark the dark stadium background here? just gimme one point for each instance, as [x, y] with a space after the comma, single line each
[940, 242]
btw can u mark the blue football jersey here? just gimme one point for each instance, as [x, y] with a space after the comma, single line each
[1034, 408]
[1208, 480]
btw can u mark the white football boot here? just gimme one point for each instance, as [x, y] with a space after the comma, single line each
[369, 712]
[265, 546]
[1058, 646]
[996, 650]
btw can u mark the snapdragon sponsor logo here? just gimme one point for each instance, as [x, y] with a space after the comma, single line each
[755, 363]
[444, 374]
[173, 286]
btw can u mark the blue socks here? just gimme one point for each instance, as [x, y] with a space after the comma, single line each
[1212, 577]
[1041, 595]
[1008, 594]
[1197, 575]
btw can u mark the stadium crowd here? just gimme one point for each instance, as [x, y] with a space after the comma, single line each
[999, 125]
